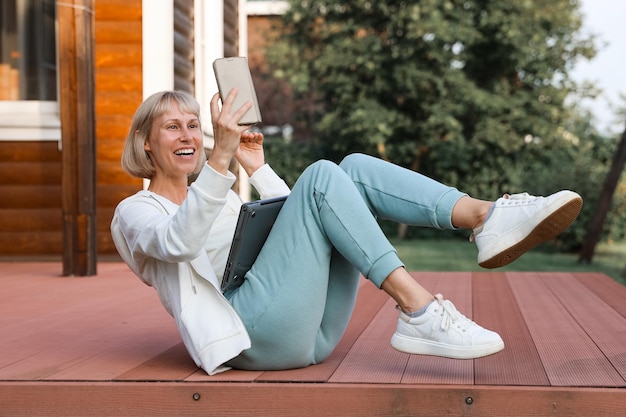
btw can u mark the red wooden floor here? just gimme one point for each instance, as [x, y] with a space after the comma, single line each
[104, 346]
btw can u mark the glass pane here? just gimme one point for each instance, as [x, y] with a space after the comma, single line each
[27, 50]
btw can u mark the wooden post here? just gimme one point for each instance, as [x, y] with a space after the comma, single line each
[76, 75]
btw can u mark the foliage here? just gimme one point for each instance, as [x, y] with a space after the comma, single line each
[290, 159]
[470, 92]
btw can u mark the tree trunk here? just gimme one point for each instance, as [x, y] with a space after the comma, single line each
[604, 204]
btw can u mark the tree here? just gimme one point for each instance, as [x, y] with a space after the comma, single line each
[604, 204]
[469, 92]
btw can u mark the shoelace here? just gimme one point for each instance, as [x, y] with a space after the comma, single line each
[518, 198]
[450, 315]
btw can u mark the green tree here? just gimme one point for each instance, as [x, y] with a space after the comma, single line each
[469, 92]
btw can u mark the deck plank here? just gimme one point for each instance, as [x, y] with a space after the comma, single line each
[605, 326]
[495, 308]
[611, 292]
[316, 400]
[371, 359]
[46, 329]
[74, 344]
[119, 358]
[432, 369]
[173, 364]
[68, 343]
[55, 325]
[554, 330]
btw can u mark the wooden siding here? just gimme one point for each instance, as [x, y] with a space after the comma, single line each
[184, 75]
[30, 172]
[118, 66]
[30, 206]
[231, 28]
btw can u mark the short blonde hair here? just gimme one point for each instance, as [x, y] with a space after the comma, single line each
[135, 159]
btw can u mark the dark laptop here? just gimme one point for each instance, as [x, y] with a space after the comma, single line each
[256, 219]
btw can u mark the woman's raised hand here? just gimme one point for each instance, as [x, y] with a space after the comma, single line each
[226, 130]
[250, 152]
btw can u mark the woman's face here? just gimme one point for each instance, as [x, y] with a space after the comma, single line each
[175, 143]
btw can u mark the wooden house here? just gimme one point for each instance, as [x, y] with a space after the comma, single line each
[110, 55]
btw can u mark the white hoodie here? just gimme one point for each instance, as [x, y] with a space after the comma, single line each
[181, 251]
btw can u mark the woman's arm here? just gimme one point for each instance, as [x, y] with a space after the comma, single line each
[180, 233]
[268, 183]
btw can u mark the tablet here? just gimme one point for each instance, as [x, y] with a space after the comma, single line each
[254, 224]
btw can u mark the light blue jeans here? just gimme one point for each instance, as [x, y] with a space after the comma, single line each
[297, 299]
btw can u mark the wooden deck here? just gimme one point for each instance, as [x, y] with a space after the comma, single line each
[105, 346]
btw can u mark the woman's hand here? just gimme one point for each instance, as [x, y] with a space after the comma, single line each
[250, 152]
[226, 130]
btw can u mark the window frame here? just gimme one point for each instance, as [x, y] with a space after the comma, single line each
[266, 7]
[30, 120]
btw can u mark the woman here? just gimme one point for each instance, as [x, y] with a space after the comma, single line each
[296, 301]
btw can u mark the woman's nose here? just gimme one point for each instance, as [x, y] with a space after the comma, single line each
[186, 133]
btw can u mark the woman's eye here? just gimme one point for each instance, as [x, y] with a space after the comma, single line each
[172, 127]
[193, 126]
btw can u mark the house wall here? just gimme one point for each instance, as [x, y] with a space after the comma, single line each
[118, 72]
[31, 216]
[30, 202]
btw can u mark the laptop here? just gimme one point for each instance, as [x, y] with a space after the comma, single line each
[256, 219]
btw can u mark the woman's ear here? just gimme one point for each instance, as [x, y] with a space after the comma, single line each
[146, 145]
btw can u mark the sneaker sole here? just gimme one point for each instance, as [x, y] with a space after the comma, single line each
[427, 347]
[547, 229]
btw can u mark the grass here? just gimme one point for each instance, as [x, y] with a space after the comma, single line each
[458, 255]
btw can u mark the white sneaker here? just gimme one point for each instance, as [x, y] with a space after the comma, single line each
[520, 222]
[443, 331]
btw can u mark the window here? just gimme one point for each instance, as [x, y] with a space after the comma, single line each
[28, 76]
[28, 50]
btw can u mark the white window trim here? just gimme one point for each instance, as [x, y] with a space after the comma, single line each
[158, 46]
[266, 8]
[245, 190]
[30, 120]
[157, 34]
[209, 45]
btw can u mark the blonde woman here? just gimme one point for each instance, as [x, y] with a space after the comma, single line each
[296, 301]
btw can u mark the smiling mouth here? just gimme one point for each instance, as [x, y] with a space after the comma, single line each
[185, 152]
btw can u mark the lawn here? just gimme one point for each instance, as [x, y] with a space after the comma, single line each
[459, 255]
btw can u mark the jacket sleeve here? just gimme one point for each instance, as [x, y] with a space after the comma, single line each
[178, 236]
[268, 183]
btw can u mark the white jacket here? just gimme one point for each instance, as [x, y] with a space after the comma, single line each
[181, 251]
